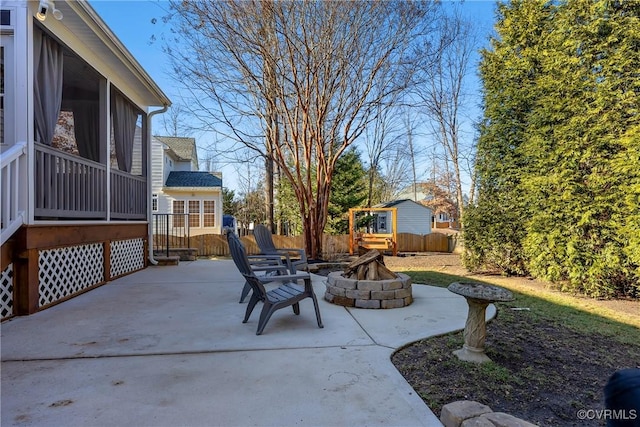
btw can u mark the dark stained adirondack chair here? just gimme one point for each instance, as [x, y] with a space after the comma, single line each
[271, 265]
[289, 293]
[267, 247]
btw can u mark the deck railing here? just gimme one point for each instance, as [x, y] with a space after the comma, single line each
[128, 196]
[13, 167]
[71, 187]
[68, 186]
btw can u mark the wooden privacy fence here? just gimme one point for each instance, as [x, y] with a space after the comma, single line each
[216, 244]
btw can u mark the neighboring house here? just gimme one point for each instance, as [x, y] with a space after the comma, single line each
[179, 188]
[71, 219]
[421, 197]
[412, 218]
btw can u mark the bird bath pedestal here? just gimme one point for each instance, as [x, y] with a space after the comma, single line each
[478, 296]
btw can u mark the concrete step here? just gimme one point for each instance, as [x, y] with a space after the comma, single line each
[168, 260]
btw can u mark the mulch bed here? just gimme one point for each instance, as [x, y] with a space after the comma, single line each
[544, 377]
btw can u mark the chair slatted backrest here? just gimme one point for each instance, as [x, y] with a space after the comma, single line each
[239, 255]
[264, 239]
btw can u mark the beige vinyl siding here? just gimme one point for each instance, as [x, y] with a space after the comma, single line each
[157, 165]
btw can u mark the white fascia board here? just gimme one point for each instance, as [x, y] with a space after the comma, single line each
[192, 189]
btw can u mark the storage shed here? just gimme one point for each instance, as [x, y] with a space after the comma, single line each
[412, 218]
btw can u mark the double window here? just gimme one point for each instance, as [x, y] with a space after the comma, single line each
[200, 213]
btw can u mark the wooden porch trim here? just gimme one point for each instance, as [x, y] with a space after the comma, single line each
[55, 236]
[26, 283]
[6, 254]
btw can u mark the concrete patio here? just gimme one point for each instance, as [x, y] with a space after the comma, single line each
[167, 347]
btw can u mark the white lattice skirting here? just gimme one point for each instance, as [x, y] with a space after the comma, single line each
[126, 256]
[6, 292]
[66, 271]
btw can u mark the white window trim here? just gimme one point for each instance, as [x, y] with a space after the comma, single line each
[9, 106]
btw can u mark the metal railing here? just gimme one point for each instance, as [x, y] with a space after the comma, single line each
[170, 232]
[13, 169]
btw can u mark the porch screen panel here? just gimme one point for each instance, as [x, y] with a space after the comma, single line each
[47, 85]
[194, 213]
[124, 129]
[209, 213]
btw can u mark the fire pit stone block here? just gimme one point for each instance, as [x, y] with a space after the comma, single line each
[374, 294]
[367, 303]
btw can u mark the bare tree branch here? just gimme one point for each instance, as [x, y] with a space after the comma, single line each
[297, 82]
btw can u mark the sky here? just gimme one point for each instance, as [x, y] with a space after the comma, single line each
[136, 22]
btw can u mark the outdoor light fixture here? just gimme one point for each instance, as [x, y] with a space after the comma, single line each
[43, 10]
[57, 14]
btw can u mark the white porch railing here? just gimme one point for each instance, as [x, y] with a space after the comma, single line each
[13, 168]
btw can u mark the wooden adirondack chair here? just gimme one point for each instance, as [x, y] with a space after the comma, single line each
[289, 293]
[267, 247]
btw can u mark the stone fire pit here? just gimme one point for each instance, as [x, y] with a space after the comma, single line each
[387, 293]
[369, 284]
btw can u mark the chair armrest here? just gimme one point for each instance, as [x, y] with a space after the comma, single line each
[287, 252]
[286, 278]
[298, 250]
[265, 259]
[271, 257]
[270, 268]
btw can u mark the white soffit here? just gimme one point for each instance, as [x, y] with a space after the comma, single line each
[82, 21]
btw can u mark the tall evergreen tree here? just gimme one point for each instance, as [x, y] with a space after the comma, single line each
[348, 190]
[558, 155]
[495, 226]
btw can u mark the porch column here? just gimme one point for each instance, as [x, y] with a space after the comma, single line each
[106, 133]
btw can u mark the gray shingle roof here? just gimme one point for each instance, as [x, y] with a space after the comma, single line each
[393, 203]
[185, 148]
[390, 204]
[193, 179]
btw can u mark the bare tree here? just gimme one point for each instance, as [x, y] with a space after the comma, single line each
[250, 178]
[442, 91]
[381, 141]
[174, 121]
[316, 70]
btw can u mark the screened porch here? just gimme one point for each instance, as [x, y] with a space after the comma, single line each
[90, 141]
